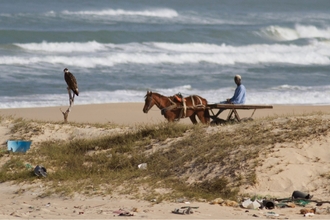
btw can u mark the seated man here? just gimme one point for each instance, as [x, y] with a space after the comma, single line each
[239, 95]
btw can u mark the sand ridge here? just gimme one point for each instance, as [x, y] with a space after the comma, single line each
[287, 167]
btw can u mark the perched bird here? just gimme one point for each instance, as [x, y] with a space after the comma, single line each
[71, 81]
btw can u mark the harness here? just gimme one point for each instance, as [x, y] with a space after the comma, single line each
[183, 105]
[172, 106]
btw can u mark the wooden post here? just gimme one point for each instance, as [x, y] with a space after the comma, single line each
[71, 101]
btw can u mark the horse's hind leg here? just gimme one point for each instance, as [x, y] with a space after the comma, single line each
[206, 116]
[193, 118]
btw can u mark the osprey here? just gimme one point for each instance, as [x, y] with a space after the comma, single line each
[71, 81]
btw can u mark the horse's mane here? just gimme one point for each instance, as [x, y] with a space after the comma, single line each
[157, 94]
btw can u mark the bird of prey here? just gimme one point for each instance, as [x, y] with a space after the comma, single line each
[71, 81]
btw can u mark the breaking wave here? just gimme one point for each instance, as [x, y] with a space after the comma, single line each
[299, 31]
[163, 12]
[92, 54]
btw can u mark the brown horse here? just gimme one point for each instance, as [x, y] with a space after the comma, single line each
[173, 108]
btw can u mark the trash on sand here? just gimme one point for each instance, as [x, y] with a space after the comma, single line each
[184, 210]
[248, 204]
[308, 214]
[179, 211]
[268, 204]
[40, 171]
[254, 205]
[301, 202]
[18, 145]
[305, 211]
[271, 214]
[122, 212]
[126, 214]
[301, 195]
[142, 166]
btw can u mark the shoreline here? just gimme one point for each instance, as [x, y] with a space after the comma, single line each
[132, 114]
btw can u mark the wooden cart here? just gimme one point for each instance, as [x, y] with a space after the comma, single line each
[233, 110]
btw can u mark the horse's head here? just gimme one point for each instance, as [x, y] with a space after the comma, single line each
[149, 102]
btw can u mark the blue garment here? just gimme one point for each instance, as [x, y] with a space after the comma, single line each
[239, 95]
[238, 98]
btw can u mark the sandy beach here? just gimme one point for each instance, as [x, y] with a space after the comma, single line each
[131, 113]
[22, 201]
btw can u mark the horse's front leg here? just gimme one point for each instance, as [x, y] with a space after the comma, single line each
[193, 118]
[170, 116]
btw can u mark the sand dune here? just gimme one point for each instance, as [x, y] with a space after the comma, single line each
[289, 167]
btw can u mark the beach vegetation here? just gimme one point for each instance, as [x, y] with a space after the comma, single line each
[181, 160]
[26, 128]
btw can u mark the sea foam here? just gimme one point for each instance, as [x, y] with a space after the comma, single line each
[161, 12]
[97, 54]
[299, 31]
[63, 47]
[269, 96]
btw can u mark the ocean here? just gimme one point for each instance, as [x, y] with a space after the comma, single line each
[120, 49]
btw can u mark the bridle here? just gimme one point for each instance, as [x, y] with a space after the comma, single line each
[152, 102]
[149, 97]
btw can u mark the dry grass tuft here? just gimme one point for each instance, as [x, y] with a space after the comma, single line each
[182, 160]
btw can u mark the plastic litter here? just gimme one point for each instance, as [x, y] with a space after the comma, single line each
[254, 205]
[271, 214]
[40, 171]
[142, 166]
[248, 204]
[18, 145]
[301, 202]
